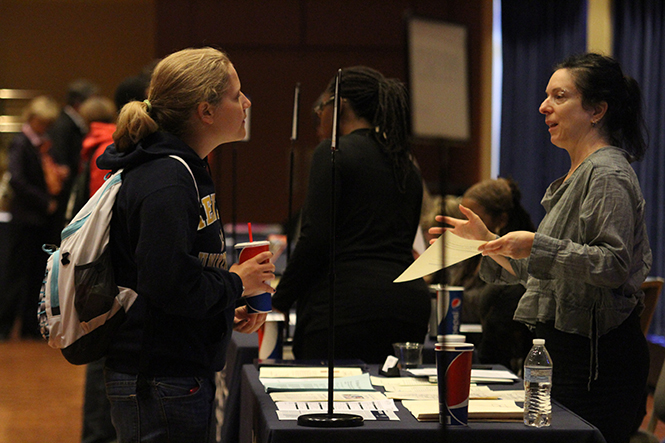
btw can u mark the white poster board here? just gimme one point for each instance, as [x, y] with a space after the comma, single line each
[438, 79]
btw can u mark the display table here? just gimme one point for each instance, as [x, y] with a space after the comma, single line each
[243, 349]
[259, 423]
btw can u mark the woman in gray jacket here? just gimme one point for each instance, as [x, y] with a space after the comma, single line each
[584, 266]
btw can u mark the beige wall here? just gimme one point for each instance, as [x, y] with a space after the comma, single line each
[599, 26]
[45, 44]
[485, 116]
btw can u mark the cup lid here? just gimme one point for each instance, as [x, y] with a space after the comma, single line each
[451, 338]
[251, 243]
[454, 346]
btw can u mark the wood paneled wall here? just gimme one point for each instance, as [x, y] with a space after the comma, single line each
[46, 44]
[275, 44]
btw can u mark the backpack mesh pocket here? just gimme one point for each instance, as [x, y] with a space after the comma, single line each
[95, 287]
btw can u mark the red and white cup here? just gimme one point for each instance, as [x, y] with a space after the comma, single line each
[270, 340]
[261, 303]
[453, 368]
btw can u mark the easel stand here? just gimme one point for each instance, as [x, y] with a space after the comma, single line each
[331, 419]
[289, 227]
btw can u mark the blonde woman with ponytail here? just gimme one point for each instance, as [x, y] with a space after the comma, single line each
[167, 243]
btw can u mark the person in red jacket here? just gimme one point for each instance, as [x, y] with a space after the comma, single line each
[100, 114]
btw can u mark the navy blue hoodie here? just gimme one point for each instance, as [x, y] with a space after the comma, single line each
[167, 244]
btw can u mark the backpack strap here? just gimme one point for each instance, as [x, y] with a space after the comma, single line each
[190, 172]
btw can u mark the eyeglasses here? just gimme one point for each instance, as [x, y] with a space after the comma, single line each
[319, 108]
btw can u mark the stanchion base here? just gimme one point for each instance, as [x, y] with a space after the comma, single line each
[325, 420]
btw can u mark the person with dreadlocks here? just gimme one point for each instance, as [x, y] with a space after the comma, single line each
[378, 200]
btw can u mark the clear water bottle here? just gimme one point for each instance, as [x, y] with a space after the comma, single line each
[537, 386]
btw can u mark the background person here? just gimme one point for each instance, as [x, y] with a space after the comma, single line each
[584, 266]
[167, 243]
[378, 199]
[504, 340]
[36, 182]
[100, 114]
[67, 134]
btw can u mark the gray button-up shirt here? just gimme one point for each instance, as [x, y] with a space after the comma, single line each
[590, 254]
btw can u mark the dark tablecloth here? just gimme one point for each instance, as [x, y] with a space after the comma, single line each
[259, 423]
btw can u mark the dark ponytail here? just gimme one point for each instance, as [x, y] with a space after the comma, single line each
[384, 103]
[634, 127]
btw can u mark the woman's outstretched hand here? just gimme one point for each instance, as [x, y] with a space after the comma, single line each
[472, 229]
[514, 245]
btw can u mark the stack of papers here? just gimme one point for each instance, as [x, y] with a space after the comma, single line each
[352, 383]
[305, 372]
[432, 393]
[428, 410]
[392, 383]
[368, 410]
[304, 390]
[322, 396]
[492, 376]
[421, 396]
[477, 375]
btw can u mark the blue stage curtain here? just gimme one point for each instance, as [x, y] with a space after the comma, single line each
[639, 45]
[536, 36]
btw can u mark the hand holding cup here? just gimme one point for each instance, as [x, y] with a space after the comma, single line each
[255, 268]
[246, 322]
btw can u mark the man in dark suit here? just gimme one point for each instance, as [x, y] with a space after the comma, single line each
[67, 135]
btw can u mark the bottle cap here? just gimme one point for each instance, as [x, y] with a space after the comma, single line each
[538, 341]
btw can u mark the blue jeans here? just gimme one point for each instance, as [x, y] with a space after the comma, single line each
[160, 409]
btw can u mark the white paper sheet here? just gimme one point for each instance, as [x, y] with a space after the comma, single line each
[432, 393]
[477, 375]
[314, 396]
[354, 383]
[457, 249]
[376, 405]
[306, 372]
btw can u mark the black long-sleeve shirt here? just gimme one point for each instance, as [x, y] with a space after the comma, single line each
[375, 228]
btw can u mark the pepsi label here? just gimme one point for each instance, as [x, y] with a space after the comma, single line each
[449, 309]
[454, 379]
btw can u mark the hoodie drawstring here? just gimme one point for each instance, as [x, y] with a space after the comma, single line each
[593, 354]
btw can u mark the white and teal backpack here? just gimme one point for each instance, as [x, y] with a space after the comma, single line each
[80, 305]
